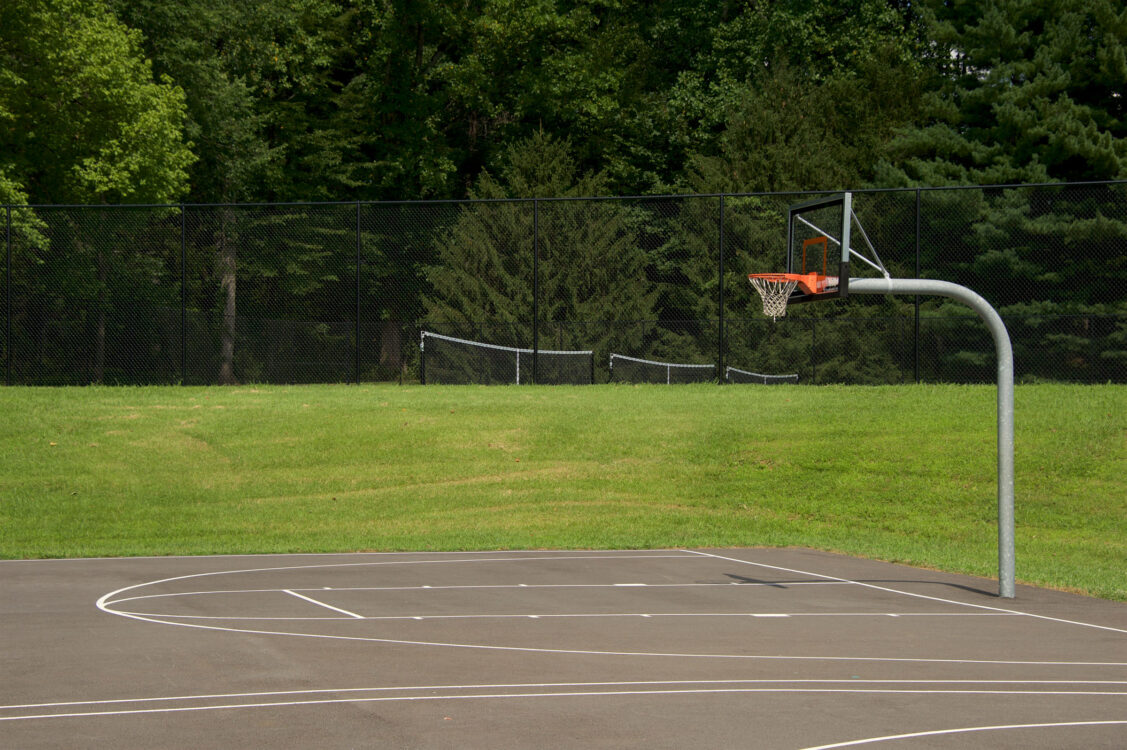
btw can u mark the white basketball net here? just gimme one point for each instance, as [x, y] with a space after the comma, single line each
[775, 295]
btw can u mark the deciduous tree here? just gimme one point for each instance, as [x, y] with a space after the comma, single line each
[82, 120]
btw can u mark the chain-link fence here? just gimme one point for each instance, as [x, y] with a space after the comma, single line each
[341, 292]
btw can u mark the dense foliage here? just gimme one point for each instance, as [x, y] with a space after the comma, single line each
[221, 100]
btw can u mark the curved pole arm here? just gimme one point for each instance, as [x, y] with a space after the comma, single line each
[1005, 400]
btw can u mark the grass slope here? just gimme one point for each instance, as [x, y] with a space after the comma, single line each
[901, 473]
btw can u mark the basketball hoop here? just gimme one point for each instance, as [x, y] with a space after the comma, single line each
[775, 293]
[776, 288]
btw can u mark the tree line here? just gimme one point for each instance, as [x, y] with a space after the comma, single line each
[109, 101]
[226, 102]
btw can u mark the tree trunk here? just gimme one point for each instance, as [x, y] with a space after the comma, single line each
[391, 344]
[227, 258]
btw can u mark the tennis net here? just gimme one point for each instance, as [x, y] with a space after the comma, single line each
[634, 370]
[447, 360]
[735, 375]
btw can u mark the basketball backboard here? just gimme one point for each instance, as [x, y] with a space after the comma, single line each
[818, 255]
[818, 236]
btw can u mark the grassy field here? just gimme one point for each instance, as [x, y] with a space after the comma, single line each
[901, 473]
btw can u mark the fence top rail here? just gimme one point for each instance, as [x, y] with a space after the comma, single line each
[558, 199]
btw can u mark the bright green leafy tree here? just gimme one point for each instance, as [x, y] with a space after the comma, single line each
[258, 79]
[82, 120]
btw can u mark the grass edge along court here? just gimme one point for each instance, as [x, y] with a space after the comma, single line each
[899, 473]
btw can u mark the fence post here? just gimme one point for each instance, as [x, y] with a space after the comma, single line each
[535, 290]
[916, 330]
[813, 351]
[357, 327]
[183, 298]
[8, 296]
[720, 283]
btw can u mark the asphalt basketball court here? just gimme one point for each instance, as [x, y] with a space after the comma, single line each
[650, 649]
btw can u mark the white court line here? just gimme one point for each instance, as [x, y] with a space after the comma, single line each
[481, 586]
[503, 616]
[567, 694]
[909, 593]
[322, 604]
[649, 654]
[276, 555]
[105, 601]
[545, 685]
[963, 730]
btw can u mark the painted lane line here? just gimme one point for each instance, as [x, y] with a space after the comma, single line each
[531, 553]
[629, 654]
[103, 605]
[910, 593]
[566, 694]
[474, 587]
[963, 730]
[585, 652]
[237, 618]
[546, 685]
[311, 600]
[107, 598]
[503, 616]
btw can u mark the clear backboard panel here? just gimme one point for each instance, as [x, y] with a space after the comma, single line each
[817, 243]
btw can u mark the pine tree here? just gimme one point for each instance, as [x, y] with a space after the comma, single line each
[591, 269]
[1027, 92]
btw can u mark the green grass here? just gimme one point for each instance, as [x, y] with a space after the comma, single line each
[901, 473]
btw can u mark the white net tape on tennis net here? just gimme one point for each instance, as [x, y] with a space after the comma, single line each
[452, 360]
[637, 370]
[736, 375]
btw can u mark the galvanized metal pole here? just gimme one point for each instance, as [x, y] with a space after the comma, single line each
[1001, 337]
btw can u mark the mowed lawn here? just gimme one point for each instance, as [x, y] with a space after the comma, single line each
[900, 473]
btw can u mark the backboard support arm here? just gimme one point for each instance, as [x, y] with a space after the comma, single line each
[932, 287]
[851, 253]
